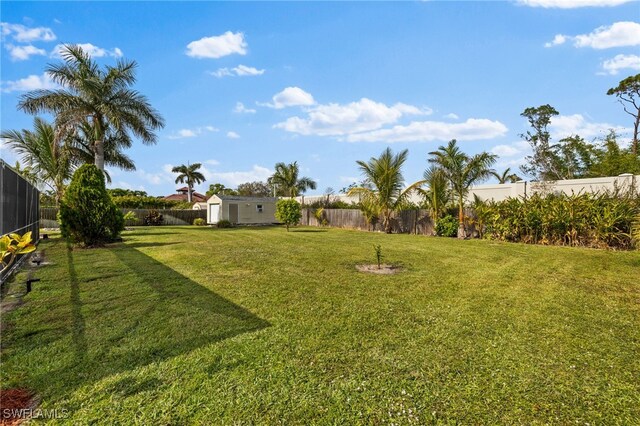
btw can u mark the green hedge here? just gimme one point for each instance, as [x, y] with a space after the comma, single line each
[590, 220]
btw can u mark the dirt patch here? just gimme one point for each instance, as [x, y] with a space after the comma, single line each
[11, 402]
[384, 269]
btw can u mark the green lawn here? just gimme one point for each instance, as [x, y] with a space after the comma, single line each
[195, 325]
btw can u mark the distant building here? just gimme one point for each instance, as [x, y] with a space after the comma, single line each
[183, 195]
[241, 210]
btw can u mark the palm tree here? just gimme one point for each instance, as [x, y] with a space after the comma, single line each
[462, 171]
[286, 180]
[385, 192]
[506, 176]
[44, 155]
[190, 175]
[438, 194]
[101, 96]
[82, 149]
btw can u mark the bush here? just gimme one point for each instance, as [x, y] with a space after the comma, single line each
[447, 226]
[591, 220]
[154, 218]
[144, 202]
[199, 221]
[87, 213]
[224, 224]
[288, 211]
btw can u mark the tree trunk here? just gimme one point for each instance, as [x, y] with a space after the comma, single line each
[634, 143]
[189, 193]
[99, 154]
[461, 231]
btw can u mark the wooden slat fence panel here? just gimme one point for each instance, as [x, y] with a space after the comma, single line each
[404, 222]
[48, 216]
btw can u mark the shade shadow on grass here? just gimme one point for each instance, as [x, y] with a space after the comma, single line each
[149, 244]
[147, 314]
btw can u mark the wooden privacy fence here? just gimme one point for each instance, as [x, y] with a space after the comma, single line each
[48, 216]
[404, 222]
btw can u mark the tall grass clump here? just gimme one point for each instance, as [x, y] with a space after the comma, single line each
[590, 220]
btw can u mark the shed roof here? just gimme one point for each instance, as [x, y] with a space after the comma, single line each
[245, 199]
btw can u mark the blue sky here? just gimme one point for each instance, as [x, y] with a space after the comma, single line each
[245, 85]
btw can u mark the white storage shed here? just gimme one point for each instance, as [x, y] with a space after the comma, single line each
[241, 210]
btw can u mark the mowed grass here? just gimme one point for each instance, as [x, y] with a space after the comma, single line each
[184, 325]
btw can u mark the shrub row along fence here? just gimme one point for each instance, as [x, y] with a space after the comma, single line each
[19, 204]
[48, 216]
[404, 222]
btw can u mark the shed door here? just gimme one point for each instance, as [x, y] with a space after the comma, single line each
[214, 213]
[233, 213]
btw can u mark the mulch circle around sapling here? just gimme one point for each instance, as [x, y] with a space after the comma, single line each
[384, 269]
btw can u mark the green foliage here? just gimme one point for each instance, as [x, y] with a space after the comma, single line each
[287, 181]
[592, 220]
[220, 189]
[383, 192]
[130, 217]
[288, 211]
[145, 202]
[332, 204]
[190, 175]
[120, 192]
[199, 221]
[224, 224]
[153, 218]
[540, 164]
[105, 95]
[635, 231]
[447, 226]
[87, 213]
[321, 216]
[377, 248]
[254, 189]
[462, 171]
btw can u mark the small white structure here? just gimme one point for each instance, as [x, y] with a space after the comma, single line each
[241, 210]
[199, 206]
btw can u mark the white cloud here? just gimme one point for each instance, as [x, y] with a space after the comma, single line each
[291, 96]
[348, 179]
[241, 109]
[235, 178]
[212, 162]
[557, 40]
[571, 4]
[425, 131]
[239, 71]
[620, 34]
[452, 116]
[22, 53]
[23, 34]
[166, 176]
[233, 135]
[94, 51]
[563, 126]
[620, 62]
[218, 46]
[192, 133]
[33, 82]
[511, 150]
[338, 120]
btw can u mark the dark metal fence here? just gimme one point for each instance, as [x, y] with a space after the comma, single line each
[48, 216]
[19, 205]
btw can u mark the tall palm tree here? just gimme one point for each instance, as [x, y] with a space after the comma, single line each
[101, 96]
[82, 149]
[286, 180]
[462, 171]
[438, 194]
[45, 156]
[190, 175]
[385, 190]
[506, 176]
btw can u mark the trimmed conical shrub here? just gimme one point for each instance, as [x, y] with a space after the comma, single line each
[87, 213]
